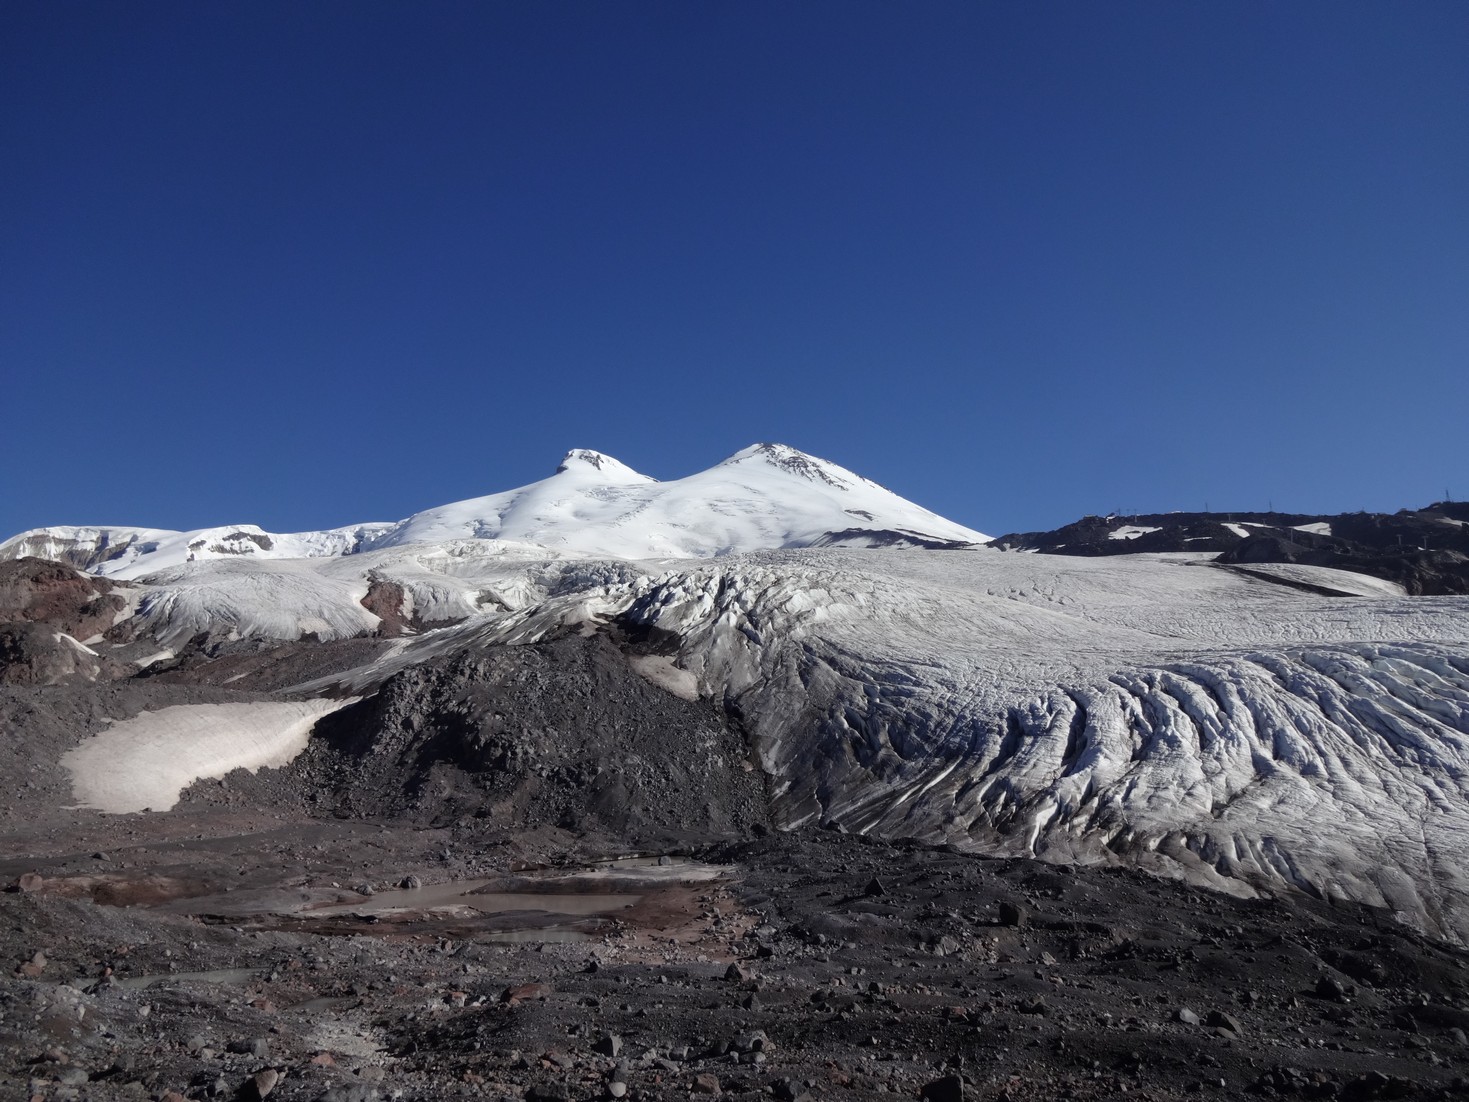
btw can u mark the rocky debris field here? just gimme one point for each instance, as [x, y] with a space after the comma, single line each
[220, 954]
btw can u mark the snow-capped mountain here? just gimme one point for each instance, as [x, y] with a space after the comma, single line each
[767, 496]
[1252, 727]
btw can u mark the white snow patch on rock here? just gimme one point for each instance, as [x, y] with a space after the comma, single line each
[662, 672]
[144, 763]
[1347, 582]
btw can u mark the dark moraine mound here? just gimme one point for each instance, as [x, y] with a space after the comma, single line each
[565, 733]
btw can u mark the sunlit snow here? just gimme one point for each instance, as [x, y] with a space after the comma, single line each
[144, 763]
[766, 496]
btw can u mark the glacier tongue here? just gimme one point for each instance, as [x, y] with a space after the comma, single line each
[1227, 730]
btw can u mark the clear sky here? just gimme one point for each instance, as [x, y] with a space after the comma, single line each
[310, 263]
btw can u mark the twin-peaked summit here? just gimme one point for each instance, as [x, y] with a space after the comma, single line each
[765, 497]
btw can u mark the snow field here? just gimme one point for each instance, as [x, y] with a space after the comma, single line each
[144, 763]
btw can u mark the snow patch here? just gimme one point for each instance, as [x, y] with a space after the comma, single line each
[1343, 581]
[75, 644]
[1131, 532]
[663, 673]
[144, 763]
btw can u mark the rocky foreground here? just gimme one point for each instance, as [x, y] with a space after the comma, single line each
[217, 952]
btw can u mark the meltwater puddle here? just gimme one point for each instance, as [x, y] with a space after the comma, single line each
[236, 976]
[469, 894]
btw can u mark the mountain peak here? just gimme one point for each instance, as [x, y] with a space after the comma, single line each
[587, 460]
[765, 497]
[793, 461]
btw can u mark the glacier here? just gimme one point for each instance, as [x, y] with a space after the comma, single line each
[1165, 713]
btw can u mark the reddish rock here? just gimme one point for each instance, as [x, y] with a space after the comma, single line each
[265, 1081]
[525, 991]
[38, 591]
[385, 601]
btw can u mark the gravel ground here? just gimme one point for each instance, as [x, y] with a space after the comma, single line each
[783, 966]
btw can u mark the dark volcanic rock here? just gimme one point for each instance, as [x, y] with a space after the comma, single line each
[1011, 913]
[948, 1089]
[401, 1010]
[1424, 550]
[42, 604]
[564, 733]
[385, 600]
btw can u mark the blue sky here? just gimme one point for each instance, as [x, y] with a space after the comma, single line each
[306, 264]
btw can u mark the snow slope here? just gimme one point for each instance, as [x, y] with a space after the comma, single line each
[286, 599]
[123, 552]
[766, 496]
